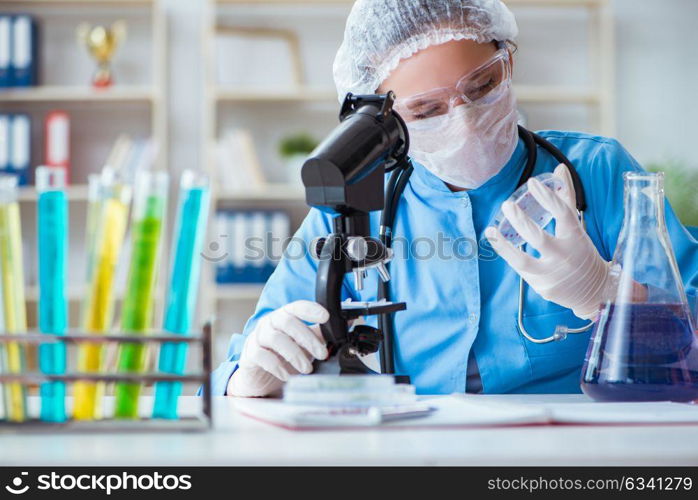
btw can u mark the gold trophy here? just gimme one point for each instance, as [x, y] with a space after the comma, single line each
[101, 43]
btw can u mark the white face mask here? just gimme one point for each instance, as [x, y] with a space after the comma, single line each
[469, 145]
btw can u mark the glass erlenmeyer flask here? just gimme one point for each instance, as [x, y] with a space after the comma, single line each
[643, 347]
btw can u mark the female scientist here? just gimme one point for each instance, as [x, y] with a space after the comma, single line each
[449, 63]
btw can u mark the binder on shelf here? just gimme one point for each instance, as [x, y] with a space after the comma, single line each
[24, 51]
[255, 247]
[20, 148]
[57, 141]
[279, 231]
[5, 51]
[4, 142]
[238, 270]
[222, 239]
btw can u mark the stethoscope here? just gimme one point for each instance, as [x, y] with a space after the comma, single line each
[396, 186]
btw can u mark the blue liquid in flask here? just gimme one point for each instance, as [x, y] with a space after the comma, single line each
[642, 352]
[643, 347]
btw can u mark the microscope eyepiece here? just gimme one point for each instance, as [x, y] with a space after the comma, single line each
[345, 173]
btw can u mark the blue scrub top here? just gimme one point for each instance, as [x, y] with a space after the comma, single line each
[461, 296]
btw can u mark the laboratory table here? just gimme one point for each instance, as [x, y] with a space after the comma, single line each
[238, 440]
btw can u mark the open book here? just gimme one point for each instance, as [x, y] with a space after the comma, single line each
[465, 410]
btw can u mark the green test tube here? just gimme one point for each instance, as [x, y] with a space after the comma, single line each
[190, 228]
[14, 307]
[147, 222]
[52, 231]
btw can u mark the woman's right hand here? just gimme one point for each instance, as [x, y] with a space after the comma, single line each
[280, 345]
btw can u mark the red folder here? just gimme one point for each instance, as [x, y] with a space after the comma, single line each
[57, 141]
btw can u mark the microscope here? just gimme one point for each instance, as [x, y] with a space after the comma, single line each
[345, 176]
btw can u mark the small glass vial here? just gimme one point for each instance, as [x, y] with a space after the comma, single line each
[530, 206]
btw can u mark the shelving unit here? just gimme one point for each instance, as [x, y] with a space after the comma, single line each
[237, 292]
[271, 192]
[63, 94]
[76, 192]
[83, 3]
[146, 101]
[73, 294]
[152, 95]
[524, 93]
[283, 94]
[599, 95]
[216, 98]
[601, 49]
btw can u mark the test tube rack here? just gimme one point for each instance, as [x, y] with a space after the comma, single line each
[202, 421]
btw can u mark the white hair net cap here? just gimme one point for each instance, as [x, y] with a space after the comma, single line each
[381, 33]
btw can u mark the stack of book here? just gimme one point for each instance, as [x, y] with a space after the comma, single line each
[250, 243]
[237, 166]
[15, 146]
[18, 51]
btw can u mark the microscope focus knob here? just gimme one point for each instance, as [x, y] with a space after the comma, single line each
[357, 248]
[366, 339]
[316, 247]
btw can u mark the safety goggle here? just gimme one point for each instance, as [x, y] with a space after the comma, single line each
[480, 86]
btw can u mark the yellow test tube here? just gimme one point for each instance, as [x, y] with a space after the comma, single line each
[14, 309]
[99, 301]
[3, 361]
[94, 213]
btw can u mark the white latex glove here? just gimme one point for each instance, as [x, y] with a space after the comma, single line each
[570, 271]
[280, 345]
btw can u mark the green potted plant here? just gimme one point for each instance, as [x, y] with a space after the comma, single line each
[294, 149]
[680, 182]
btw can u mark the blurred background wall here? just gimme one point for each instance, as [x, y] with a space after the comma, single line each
[656, 76]
[657, 73]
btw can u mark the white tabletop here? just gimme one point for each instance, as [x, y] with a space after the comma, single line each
[238, 440]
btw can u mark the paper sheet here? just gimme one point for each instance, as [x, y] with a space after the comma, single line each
[461, 410]
[450, 412]
[624, 413]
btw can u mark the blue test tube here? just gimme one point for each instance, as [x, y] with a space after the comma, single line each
[190, 227]
[52, 222]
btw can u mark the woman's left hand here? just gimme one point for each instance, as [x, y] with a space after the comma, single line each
[570, 271]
